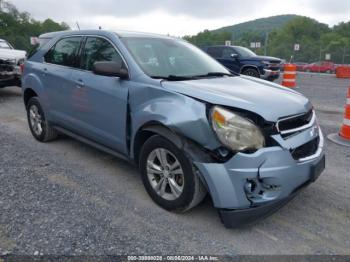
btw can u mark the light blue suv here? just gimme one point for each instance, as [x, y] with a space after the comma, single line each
[189, 124]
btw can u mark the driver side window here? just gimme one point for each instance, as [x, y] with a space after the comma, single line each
[228, 52]
[99, 50]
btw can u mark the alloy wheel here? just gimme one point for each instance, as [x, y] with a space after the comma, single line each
[36, 121]
[165, 174]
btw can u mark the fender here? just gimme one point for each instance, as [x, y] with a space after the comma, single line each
[179, 113]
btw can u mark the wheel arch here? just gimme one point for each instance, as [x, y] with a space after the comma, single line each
[192, 149]
[32, 84]
[246, 67]
[28, 94]
[148, 130]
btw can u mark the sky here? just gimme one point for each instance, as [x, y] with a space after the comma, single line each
[177, 17]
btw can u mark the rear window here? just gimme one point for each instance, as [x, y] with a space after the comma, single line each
[35, 48]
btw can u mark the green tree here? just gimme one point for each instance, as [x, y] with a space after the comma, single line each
[207, 38]
[302, 30]
[17, 27]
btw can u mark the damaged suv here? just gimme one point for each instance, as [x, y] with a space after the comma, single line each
[190, 125]
[10, 63]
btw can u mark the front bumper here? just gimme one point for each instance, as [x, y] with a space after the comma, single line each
[236, 218]
[10, 78]
[276, 176]
[270, 74]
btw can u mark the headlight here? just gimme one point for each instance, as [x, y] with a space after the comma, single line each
[21, 61]
[235, 132]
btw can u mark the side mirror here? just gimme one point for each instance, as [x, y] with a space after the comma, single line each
[110, 69]
[234, 56]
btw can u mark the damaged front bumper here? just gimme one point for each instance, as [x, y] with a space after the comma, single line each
[252, 186]
[10, 74]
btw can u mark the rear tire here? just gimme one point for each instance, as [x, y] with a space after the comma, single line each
[251, 72]
[168, 176]
[38, 125]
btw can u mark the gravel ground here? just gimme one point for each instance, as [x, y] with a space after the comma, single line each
[65, 198]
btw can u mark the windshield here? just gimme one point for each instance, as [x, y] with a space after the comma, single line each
[5, 45]
[244, 52]
[169, 58]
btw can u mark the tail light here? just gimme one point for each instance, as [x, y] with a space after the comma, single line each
[21, 66]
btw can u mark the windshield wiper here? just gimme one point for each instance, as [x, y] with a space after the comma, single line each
[183, 78]
[174, 77]
[218, 74]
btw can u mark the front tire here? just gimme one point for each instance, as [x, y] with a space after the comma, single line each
[38, 125]
[168, 176]
[251, 72]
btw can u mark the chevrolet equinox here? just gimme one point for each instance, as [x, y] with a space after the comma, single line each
[187, 122]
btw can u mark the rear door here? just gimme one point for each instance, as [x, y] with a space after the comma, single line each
[99, 103]
[56, 73]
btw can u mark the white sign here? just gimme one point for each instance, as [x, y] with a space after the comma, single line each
[227, 42]
[296, 47]
[255, 45]
[34, 40]
[328, 56]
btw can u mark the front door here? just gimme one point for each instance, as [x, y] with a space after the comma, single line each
[229, 58]
[99, 103]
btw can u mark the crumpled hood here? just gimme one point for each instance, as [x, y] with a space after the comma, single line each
[10, 54]
[271, 101]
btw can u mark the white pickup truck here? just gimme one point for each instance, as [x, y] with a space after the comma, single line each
[10, 61]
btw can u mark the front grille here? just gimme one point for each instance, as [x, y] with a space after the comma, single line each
[306, 150]
[295, 122]
[6, 66]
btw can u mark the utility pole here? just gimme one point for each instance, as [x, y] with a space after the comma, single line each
[266, 41]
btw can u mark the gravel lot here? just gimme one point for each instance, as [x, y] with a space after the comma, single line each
[66, 198]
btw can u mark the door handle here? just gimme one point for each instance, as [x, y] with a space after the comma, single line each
[44, 71]
[79, 83]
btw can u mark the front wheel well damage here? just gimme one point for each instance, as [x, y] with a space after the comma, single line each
[191, 149]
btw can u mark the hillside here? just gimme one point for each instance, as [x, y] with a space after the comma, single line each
[260, 26]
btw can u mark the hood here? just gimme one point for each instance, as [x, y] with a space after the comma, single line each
[262, 58]
[270, 101]
[11, 54]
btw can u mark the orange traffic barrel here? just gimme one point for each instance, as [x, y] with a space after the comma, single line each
[343, 138]
[343, 72]
[289, 75]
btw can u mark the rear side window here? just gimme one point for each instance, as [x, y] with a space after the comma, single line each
[64, 52]
[99, 50]
[215, 51]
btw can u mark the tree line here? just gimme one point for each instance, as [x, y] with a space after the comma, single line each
[315, 40]
[17, 27]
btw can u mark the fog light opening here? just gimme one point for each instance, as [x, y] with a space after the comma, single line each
[250, 187]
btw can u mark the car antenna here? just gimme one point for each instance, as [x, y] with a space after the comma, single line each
[78, 25]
